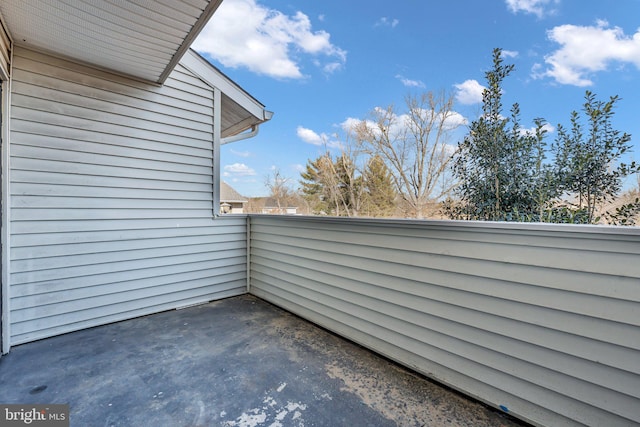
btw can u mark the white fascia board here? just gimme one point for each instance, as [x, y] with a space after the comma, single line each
[214, 77]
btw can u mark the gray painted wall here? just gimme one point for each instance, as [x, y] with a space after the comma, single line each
[111, 199]
[543, 320]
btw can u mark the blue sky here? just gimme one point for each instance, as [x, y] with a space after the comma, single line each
[316, 64]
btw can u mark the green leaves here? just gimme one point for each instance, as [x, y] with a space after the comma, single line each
[500, 165]
[588, 164]
[507, 173]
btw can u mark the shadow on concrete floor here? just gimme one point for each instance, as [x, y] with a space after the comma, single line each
[235, 362]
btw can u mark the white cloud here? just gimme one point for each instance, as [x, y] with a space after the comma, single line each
[243, 33]
[455, 120]
[240, 153]
[311, 137]
[238, 169]
[387, 22]
[351, 123]
[332, 67]
[410, 83]
[532, 130]
[469, 92]
[509, 53]
[535, 7]
[401, 123]
[586, 50]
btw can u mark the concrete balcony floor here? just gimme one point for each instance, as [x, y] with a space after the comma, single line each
[235, 362]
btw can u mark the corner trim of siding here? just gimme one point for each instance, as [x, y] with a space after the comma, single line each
[5, 214]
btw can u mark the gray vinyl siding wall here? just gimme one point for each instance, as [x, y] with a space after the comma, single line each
[111, 199]
[542, 320]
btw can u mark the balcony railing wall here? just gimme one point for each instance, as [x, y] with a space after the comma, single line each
[541, 321]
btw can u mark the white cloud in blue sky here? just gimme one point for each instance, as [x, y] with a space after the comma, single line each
[320, 139]
[240, 153]
[280, 52]
[549, 128]
[410, 83]
[309, 136]
[539, 8]
[243, 33]
[585, 50]
[469, 92]
[509, 53]
[387, 22]
[238, 169]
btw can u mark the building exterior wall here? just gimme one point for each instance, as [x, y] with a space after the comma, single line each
[542, 321]
[111, 199]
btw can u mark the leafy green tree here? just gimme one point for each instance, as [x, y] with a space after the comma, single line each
[500, 166]
[380, 193]
[589, 170]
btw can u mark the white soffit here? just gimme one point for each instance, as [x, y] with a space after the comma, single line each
[140, 38]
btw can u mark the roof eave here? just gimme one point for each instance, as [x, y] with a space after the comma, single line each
[257, 114]
[188, 41]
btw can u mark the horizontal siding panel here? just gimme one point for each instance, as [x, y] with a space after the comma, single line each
[442, 260]
[463, 284]
[517, 315]
[531, 362]
[89, 298]
[423, 297]
[61, 202]
[61, 180]
[138, 194]
[32, 61]
[500, 252]
[60, 151]
[38, 86]
[86, 248]
[111, 199]
[149, 274]
[36, 110]
[229, 232]
[144, 131]
[104, 214]
[95, 152]
[82, 169]
[184, 86]
[114, 313]
[57, 274]
[180, 146]
[18, 228]
[33, 264]
[74, 105]
[34, 70]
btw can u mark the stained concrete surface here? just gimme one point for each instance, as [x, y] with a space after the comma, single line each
[234, 362]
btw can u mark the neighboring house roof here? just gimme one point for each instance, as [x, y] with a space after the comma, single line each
[229, 195]
[145, 40]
